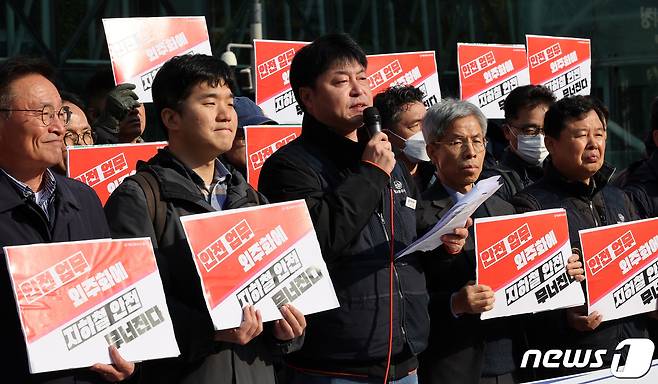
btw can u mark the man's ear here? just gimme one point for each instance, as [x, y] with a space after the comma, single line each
[170, 119]
[655, 137]
[306, 96]
[507, 131]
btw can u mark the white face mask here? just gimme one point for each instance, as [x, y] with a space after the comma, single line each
[414, 148]
[531, 148]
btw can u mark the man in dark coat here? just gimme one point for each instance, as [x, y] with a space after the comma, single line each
[38, 206]
[462, 349]
[576, 178]
[521, 163]
[195, 104]
[363, 207]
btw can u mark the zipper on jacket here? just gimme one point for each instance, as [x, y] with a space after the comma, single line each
[397, 277]
[594, 215]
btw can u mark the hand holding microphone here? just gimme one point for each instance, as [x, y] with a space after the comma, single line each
[378, 150]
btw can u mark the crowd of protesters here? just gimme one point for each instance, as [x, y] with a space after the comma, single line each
[407, 320]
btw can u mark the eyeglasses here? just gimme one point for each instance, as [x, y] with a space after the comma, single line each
[48, 114]
[530, 130]
[459, 145]
[72, 138]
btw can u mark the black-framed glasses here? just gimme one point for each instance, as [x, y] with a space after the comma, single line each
[73, 138]
[530, 130]
[459, 145]
[48, 114]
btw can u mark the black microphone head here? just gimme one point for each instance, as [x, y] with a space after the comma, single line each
[371, 116]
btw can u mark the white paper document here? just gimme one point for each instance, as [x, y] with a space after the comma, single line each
[456, 217]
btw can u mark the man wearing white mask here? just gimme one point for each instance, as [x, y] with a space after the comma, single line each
[402, 110]
[521, 164]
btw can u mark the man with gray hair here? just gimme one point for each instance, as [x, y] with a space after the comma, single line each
[463, 349]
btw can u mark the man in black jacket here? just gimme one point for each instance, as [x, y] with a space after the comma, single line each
[521, 163]
[195, 104]
[576, 179]
[402, 111]
[462, 349]
[363, 208]
[39, 206]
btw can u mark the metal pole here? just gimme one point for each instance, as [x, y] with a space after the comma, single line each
[375, 27]
[390, 15]
[256, 32]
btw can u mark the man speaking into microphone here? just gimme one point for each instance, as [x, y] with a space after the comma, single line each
[363, 210]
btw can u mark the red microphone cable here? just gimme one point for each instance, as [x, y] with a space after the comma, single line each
[390, 291]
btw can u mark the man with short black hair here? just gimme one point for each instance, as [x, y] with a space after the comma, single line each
[364, 212]
[522, 161]
[194, 101]
[402, 110]
[39, 206]
[576, 178]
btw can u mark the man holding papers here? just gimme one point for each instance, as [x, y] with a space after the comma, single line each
[576, 179]
[462, 348]
[194, 100]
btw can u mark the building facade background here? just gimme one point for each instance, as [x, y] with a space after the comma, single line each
[624, 34]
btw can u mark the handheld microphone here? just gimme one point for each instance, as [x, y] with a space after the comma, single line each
[372, 121]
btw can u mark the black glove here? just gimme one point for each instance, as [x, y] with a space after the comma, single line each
[119, 102]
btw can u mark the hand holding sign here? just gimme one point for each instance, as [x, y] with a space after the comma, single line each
[291, 326]
[119, 370]
[251, 326]
[578, 319]
[575, 268]
[473, 298]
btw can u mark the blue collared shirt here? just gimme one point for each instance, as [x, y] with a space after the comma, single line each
[215, 193]
[44, 197]
[454, 195]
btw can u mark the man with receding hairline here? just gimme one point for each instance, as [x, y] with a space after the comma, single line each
[39, 206]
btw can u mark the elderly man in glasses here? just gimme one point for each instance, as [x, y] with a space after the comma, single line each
[462, 348]
[38, 206]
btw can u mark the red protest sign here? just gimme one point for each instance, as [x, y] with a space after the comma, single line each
[262, 142]
[621, 268]
[273, 92]
[409, 68]
[139, 46]
[489, 72]
[263, 256]
[103, 167]
[563, 64]
[523, 259]
[75, 299]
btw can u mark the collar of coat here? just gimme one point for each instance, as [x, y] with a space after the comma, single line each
[576, 188]
[340, 149]
[11, 198]
[176, 182]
